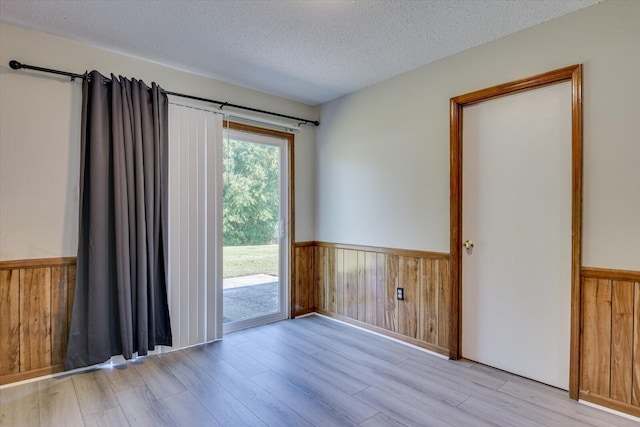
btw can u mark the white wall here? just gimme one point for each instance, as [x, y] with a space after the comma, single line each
[40, 137]
[383, 152]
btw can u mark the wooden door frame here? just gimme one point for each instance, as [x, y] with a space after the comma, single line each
[571, 74]
[290, 138]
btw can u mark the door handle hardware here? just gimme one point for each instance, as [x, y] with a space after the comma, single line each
[468, 244]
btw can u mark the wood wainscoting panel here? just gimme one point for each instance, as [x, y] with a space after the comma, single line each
[351, 284]
[371, 291]
[362, 293]
[35, 310]
[35, 318]
[302, 295]
[391, 305]
[358, 284]
[59, 313]
[381, 288]
[428, 314]
[72, 289]
[621, 341]
[445, 302]
[329, 285]
[596, 336]
[610, 341]
[409, 308]
[9, 322]
[319, 275]
[340, 298]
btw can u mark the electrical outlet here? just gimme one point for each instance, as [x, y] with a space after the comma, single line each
[400, 294]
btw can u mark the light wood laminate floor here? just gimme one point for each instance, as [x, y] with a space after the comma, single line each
[310, 371]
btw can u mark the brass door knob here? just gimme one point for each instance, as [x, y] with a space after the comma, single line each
[468, 244]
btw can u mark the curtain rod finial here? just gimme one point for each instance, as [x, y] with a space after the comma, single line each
[15, 64]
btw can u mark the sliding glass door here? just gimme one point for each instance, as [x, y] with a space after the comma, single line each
[255, 227]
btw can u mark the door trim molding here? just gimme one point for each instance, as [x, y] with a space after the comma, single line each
[571, 74]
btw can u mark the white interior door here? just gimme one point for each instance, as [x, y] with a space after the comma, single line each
[516, 280]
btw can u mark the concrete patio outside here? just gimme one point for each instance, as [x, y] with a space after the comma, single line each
[249, 296]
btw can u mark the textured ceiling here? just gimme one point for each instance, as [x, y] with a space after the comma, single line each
[309, 51]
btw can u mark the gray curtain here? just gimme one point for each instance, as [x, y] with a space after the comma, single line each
[120, 302]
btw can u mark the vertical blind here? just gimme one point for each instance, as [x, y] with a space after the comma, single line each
[195, 225]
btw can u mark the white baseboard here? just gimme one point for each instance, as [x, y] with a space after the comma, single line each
[611, 411]
[433, 353]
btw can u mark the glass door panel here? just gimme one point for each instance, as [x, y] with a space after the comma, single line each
[254, 231]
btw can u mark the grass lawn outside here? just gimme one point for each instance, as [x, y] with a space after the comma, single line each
[238, 261]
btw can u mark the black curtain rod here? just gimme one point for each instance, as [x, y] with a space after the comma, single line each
[18, 65]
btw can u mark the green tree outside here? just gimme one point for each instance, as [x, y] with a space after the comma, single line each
[250, 193]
